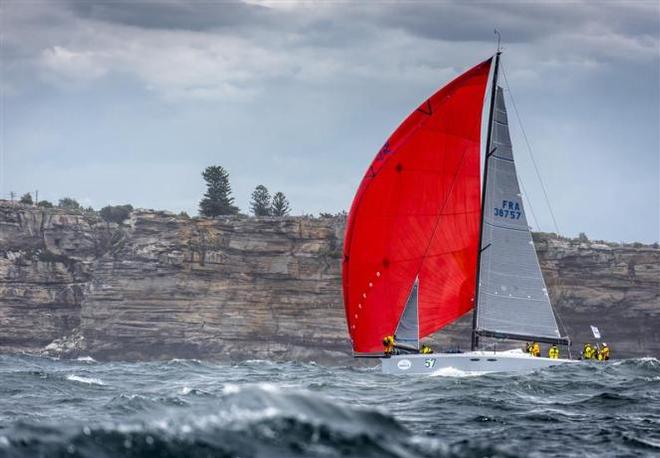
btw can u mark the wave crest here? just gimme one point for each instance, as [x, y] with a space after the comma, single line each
[252, 422]
[85, 380]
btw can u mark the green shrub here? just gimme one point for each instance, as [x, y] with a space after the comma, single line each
[48, 256]
[116, 213]
[69, 204]
[26, 199]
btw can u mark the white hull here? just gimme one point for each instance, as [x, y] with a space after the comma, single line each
[470, 362]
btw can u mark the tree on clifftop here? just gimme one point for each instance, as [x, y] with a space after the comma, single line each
[69, 204]
[280, 206]
[26, 199]
[260, 203]
[116, 213]
[217, 199]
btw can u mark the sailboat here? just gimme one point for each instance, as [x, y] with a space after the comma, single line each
[428, 240]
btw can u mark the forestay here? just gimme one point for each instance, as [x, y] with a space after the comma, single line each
[513, 298]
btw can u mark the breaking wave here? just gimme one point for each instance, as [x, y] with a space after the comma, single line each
[86, 359]
[453, 372]
[87, 380]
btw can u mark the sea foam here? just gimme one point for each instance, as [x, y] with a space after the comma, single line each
[86, 380]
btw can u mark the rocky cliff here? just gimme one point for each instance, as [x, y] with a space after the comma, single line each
[164, 286]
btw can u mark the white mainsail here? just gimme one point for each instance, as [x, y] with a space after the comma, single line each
[513, 299]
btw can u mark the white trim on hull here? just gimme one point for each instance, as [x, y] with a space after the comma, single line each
[469, 362]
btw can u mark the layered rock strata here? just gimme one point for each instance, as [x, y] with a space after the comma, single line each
[166, 286]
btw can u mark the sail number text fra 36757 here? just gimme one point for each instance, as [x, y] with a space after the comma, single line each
[509, 210]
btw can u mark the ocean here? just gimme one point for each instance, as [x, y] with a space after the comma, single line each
[189, 408]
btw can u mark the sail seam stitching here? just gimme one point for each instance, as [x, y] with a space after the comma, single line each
[505, 227]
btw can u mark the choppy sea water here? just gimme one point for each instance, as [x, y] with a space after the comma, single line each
[187, 408]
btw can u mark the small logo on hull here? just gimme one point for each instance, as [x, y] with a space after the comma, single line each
[404, 364]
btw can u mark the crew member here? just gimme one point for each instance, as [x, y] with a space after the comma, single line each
[528, 347]
[425, 350]
[553, 352]
[604, 353]
[536, 349]
[388, 343]
[588, 352]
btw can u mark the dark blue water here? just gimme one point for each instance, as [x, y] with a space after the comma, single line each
[265, 409]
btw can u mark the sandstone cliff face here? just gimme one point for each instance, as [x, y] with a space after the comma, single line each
[47, 259]
[616, 288]
[164, 286]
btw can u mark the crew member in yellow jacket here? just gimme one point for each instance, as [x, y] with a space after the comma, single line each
[388, 343]
[588, 352]
[536, 349]
[604, 353]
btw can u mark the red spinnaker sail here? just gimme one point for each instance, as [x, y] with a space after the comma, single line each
[416, 213]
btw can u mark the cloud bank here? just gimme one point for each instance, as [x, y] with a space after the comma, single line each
[299, 95]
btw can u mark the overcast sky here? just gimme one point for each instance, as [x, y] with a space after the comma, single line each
[126, 102]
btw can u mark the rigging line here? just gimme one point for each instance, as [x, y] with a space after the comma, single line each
[459, 167]
[562, 326]
[531, 155]
[561, 322]
[529, 204]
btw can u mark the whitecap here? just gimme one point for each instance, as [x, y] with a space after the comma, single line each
[270, 387]
[184, 360]
[231, 388]
[234, 388]
[648, 358]
[258, 362]
[86, 380]
[86, 359]
[453, 372]
[251, 415]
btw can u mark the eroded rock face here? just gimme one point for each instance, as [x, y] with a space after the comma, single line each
[223, 288]
[47, 259]
[164, 286]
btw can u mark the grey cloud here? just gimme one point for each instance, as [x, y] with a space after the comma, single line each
[162, 89]
[447, 20]
[564, 25]
[182, 15]
[461, 22]
[519, 22]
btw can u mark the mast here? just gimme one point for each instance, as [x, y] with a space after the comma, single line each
[491, 110]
